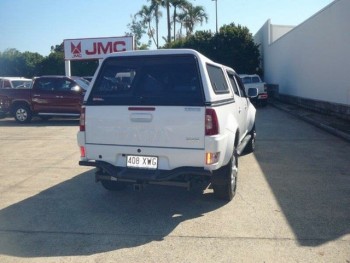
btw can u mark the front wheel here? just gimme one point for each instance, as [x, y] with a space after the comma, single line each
[251, 144]
[22, 114]
[224, 180]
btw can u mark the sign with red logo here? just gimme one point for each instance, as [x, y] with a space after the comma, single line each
[96, 48]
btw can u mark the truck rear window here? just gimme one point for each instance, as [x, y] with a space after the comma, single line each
[172, 80]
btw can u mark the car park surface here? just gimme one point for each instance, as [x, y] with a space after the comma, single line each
[292, 203]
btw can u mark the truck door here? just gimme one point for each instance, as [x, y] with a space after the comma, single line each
[55, 95]
[68, 96]
[43, 95]
[241, 105]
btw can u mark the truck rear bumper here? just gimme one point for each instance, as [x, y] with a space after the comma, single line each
[262, 96]
[126, 174]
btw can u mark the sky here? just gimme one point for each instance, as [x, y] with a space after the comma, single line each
[36, 25]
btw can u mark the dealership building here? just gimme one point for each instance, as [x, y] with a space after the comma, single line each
[309, 64]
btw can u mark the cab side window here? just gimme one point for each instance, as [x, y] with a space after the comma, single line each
[240, 86]
[64, 85]
[217, 79]
[7, 84]
[233, 83]
[45, 84]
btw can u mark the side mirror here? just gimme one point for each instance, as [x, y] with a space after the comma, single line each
[252, 92]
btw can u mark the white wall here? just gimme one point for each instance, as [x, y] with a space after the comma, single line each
[313, 59]
[277, 31]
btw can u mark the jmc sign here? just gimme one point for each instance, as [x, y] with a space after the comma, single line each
[95, 48]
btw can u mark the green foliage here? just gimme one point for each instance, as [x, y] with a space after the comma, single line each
[138, 29]
[232, 46]
[178, 12]
[84, 67]
[13, 63]
[53, 64]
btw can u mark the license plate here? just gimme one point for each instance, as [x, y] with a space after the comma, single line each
[145, 162]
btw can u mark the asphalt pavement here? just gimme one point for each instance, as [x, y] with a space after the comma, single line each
[292, 202]
[327, 122]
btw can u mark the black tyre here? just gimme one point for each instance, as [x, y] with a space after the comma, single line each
[251, 144]
[113, 185]
[224, 182]
[22, 113]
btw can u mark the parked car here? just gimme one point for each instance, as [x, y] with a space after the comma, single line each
[48, 96]
[15, 83]
[254, 81]
[166, 117]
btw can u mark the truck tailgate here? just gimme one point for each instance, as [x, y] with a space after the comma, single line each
[150, 126]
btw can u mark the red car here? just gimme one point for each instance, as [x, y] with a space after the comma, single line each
[49, 96]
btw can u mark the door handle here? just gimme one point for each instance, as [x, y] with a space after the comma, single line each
[36, 95]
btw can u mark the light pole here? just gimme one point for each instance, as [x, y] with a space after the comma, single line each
[216, 14]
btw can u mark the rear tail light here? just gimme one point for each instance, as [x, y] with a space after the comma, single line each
[211, 122]
[82, 119]
[82, 151]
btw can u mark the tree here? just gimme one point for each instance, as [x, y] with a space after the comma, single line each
[32, 60]
[155, 4]
[191, 16]
[53, 64]
[233, 46]
[17, 64]
[138, 29]
[177, 4]
[167, 6]
[147, 14]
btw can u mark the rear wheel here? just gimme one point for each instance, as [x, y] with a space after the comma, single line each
[224, 182]
[113, 185]
[22, 113]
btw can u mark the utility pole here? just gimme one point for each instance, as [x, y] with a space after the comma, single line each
[216, 14]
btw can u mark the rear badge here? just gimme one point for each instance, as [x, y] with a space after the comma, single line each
[192, 109]
[192, 139]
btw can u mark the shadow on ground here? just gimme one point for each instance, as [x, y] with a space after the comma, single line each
[78, 218]
[308, 171]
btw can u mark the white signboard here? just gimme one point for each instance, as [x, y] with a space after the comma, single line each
[96, 48]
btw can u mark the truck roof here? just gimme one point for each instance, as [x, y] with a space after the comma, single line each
[179, 51]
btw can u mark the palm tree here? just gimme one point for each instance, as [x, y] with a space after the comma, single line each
[192, 16]
[167, 6]
[155, 4]
[146, 14]
[177, 4]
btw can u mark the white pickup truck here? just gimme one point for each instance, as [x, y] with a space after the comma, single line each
[254, 81]
[166, 117]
